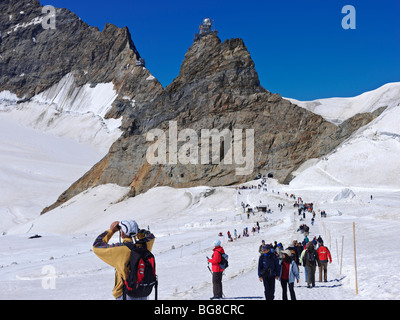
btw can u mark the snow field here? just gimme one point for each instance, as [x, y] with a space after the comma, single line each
[185, 232]
[35, 167]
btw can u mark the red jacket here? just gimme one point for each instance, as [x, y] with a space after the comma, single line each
[324, 254]
[216, 259]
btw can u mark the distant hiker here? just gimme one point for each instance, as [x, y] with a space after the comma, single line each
[118, 255]
[289, 272]
[260, 249]
[293, 252]
[299, 250]
[302, 262]
[278, 250]
[216, 269]
[314, 242]
[311, 260]
[324, 255]
[268, 271]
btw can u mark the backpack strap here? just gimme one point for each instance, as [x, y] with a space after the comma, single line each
[130, 245]
[123, 290]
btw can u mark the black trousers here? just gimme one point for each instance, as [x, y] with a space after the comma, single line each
[311, 275]
[284, 284]
[269, 287]
[217, 284]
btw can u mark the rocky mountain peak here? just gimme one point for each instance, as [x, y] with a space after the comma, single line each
[229, 64]
[217, 89]
[33, 58]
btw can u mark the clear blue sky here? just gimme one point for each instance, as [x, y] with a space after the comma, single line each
[299, 46]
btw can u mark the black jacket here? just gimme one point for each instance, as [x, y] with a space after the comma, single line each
[268, 266]
[311, 257]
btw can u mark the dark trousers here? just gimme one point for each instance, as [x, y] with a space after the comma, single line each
[217, 284]
[311, 275]
[284, 284]
[323, 268]
[269, 287]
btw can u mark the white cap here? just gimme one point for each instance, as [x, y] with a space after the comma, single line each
[129, 227]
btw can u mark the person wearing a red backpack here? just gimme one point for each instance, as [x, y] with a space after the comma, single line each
[215, 260]
[118, 255]
[324, 255]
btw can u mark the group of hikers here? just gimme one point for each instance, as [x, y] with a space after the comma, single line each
[134, 264]
[304, 208]
[255, 229]
[276, 263]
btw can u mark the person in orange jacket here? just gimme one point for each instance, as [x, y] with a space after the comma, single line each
[324, 255]
[215, 260]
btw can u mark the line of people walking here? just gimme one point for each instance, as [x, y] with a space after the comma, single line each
[275, 263]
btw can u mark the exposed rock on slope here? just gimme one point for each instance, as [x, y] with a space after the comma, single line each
[217, 88]
[32, 58]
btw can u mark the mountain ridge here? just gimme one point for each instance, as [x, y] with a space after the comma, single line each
[217, 88]
[91, 55]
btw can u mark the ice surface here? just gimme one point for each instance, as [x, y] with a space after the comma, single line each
[36, 165]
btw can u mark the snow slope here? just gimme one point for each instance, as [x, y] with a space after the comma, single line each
[186, 222]
[36, 166]
[66, 110]
[369, 158]
[49, 142]
[337, 110]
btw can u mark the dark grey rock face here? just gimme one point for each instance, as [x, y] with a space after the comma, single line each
[34, 58]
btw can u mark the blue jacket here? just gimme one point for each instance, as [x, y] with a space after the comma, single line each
[293, 271]
[268, 261]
